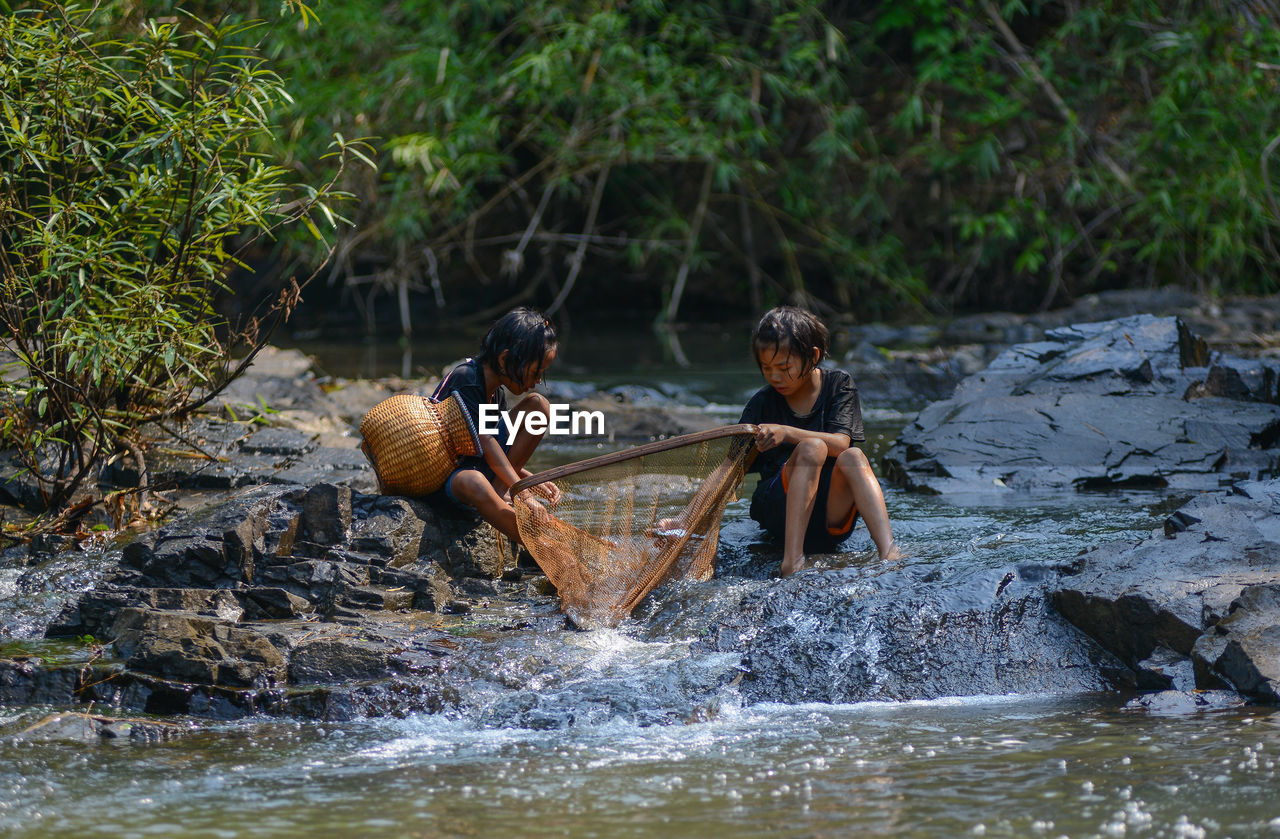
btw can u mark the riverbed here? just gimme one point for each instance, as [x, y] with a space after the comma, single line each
[571, 733]
[617, 752]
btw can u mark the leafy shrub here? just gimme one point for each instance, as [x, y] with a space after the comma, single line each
[132, 174]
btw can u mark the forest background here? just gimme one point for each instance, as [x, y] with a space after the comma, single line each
[668, 161]
[694, 158]
[711, 157]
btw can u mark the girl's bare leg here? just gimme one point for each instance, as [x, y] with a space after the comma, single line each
[802, 470]
[474, 488]
[854, 487]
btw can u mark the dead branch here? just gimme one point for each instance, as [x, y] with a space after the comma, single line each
[695, 228]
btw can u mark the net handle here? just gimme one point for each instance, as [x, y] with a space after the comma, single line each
[557, 472]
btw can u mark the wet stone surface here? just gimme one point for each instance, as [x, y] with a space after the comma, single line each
[1134, 403]
[249, 606]
[1196, 603]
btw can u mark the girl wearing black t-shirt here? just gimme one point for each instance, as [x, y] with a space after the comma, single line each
[813, 482]
[515, 353]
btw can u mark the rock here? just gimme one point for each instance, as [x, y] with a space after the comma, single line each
[326, 514]
[351, 400]
[471, 547]
[1167, 668]
[1181, 702]
[285, 442]
[990, 328]
[267, 603]
[337, 660]
[191, 648]
[1243, 649]
[855, 635]
[344, 466]
[392, 527]
[85, 728]
[278, 379]
[215, 548]
[906, 377]
[1170, 595]
[27, 682]
[277, 589]
[1095, 406]
[216, 454]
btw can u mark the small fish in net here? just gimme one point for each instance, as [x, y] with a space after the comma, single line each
[609, 530]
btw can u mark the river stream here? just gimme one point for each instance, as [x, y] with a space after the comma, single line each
[614, 749]
[570, 733]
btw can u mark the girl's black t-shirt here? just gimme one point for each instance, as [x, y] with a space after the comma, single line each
[467, 380]
[836, 411]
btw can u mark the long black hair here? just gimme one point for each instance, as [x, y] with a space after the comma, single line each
[797, 330]
[524, 335]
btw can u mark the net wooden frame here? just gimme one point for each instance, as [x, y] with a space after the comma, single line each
[596, 536]
[415, 442]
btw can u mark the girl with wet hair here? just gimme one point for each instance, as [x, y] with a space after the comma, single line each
[517, 342]
[795, 330]
[515, 354]
[814, 483]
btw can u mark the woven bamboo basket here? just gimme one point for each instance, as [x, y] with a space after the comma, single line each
[414, 442]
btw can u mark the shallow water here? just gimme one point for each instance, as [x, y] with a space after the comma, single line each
[1027, 766]
[593, 734]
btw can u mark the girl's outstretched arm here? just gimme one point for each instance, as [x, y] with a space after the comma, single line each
[772, 434]
[504, 473]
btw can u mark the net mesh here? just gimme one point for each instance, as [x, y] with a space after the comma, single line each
[609, 530]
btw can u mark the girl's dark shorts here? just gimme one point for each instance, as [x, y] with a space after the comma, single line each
[769, 508]
[444, 495]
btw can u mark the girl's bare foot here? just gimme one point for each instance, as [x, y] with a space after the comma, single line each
[791, 566]
[893, 552]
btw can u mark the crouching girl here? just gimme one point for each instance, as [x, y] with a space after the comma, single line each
[515, 354]
[813, 482]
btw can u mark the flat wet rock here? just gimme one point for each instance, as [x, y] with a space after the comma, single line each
[855, 635]
[317, 601]
[1133, 403]
[92, 728]
[1196, 604]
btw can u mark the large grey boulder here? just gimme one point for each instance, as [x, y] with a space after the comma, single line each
[1133, 403]
[1201, 590]
[859, 634]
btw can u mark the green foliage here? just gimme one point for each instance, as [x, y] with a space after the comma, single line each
[132, 174]
[876, 156]
[498, 120]
[1119, 144]
[870, 157]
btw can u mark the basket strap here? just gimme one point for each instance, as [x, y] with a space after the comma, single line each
[471, 423]
[443, 386]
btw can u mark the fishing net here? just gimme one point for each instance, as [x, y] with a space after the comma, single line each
[609, 530]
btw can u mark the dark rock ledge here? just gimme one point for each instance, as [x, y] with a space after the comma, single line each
[1136, 403]
[1133, 404]
[315, 602]
[1195, 607]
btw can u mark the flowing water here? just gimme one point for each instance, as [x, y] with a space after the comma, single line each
[1026, 766]
[628, 733]
[592, 734]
